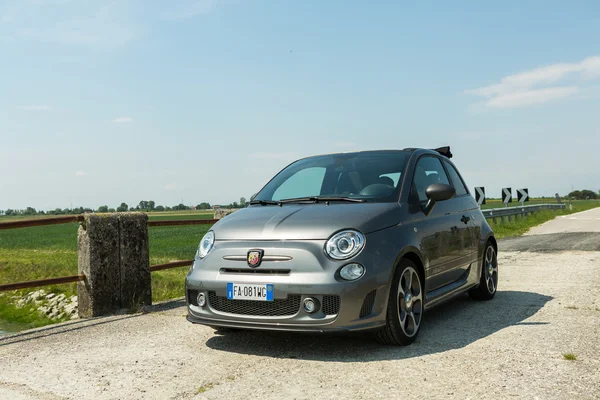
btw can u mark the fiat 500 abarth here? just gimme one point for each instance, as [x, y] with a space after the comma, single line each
[367, 240]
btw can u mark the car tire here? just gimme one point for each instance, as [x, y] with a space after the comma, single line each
[405, 306]
[488, 282]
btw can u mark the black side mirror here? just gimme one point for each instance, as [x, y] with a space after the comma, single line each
[437, 192]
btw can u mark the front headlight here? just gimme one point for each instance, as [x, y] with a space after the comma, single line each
[345, 244]
[206, 244]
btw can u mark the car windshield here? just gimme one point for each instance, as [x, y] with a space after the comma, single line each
[371, 176]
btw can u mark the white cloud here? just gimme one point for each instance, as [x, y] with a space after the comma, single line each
[35, 107]
[123, 120]
[80, 173]
[537, 85]
[529, 97]
[171, 186]
[69, 22]
[91, 23]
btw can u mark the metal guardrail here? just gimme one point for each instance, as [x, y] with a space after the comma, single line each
[510, 212]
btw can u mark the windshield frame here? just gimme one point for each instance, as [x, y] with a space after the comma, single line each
[262, 195]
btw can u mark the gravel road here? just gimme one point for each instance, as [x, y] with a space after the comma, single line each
[548, 304]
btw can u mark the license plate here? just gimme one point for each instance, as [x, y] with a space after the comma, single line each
[244, 291]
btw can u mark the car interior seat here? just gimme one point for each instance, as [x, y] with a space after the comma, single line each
[385, 180]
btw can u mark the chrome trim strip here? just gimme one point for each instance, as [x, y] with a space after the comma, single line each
[265, 258]
[235, 258]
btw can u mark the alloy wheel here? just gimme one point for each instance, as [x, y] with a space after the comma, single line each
[491, 269]
[410, 301]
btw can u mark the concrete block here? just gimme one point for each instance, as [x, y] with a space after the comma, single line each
[114, 257]
[136, 288]
[98, 260]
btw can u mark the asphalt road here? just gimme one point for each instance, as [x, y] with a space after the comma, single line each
[585, 221]
[548, 305]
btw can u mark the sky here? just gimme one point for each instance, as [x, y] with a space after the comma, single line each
[103, 102]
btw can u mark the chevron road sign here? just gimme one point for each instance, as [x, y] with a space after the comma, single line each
[522, 195]
[506, 196]
[480, 195]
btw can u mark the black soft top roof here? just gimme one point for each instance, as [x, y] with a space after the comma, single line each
[444, 151]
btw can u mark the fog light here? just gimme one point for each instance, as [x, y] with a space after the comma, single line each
[352, 272]
[201, 299]
[310, 305]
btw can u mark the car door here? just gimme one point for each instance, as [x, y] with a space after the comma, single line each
[444, 241]
[465, 204]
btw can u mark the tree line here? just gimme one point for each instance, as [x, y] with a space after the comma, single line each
[584, 194]
[144, 205]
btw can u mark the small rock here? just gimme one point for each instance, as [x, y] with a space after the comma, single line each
[70, 309]
[50, 296]
[37, 295]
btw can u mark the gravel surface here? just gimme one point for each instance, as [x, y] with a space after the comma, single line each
[548, 304]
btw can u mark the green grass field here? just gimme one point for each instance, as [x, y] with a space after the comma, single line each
[51, 251]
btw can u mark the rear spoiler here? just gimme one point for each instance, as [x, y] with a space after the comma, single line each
[445, 151]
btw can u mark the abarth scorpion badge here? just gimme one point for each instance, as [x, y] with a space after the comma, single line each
[255, 258]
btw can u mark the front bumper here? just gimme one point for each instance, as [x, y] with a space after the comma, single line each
[361, 305]
[347, 318]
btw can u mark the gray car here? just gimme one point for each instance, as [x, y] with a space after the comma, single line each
[356, 241]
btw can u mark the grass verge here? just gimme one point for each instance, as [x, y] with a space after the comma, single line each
[19, 318]
[519, 226]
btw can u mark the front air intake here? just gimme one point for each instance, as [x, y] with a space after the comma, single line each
[368, 304]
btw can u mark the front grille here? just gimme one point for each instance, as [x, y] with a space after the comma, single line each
[275, 308]
[368, 303]
[193, 297]
[331, 304]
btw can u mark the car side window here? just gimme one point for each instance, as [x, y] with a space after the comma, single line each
[429, 170]
[456, 181]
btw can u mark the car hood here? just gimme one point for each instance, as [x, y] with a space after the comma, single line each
[305, 221]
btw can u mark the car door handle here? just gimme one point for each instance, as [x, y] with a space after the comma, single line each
[465, 219]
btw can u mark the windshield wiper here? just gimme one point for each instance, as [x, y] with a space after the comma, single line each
[265, 202]
[316, 199]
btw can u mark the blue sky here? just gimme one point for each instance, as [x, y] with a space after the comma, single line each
[110, 101]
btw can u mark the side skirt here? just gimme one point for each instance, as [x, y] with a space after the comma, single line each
[445, 293]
